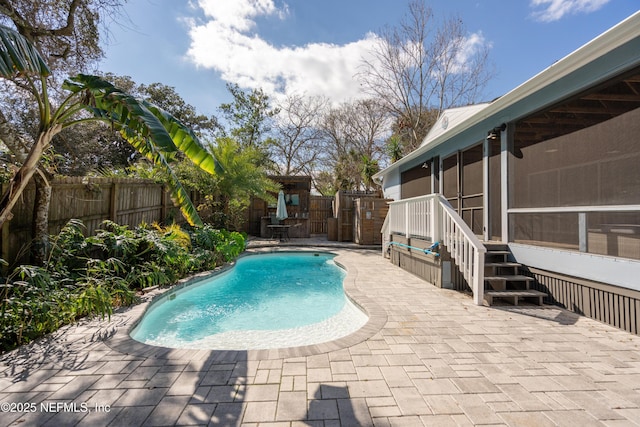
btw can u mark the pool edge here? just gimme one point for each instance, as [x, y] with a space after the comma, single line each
[122, 342]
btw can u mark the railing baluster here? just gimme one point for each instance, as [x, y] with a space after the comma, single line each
[432, 217]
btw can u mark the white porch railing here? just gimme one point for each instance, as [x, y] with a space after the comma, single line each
[431, 217]
[385, 236]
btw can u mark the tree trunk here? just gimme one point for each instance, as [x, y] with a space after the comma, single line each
[21, 179]
[40, 226]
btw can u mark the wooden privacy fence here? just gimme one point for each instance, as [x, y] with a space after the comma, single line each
[123, 200]
[321, 208]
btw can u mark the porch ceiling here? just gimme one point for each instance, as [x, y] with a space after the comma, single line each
[587, 109]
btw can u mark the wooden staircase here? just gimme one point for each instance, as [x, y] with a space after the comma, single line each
[501, 278]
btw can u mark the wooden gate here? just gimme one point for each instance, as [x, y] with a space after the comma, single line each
[320, 209]
[344, 212]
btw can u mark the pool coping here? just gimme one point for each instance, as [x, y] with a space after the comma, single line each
[122, 342]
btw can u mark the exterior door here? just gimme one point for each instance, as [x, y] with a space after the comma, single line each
[451, 181]
[462, 175]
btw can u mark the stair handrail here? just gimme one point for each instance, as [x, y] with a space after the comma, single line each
[432, 217]
[464, 246]
[385, 235]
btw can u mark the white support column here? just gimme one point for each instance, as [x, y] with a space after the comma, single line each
[485, 191]
[440, 175]
[505, 138]
[583, 235]
[432, 177]
[434, 219]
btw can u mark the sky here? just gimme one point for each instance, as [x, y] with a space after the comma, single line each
[315, 47]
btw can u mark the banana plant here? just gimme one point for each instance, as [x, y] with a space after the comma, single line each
[152, 131]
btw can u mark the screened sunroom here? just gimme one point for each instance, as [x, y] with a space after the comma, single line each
[551, 170]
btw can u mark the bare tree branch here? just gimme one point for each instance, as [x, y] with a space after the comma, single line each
[355, 133]
[297, 147]
[421, 67]
[65, 31]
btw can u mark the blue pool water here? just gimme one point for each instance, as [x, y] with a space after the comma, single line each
[265, 301]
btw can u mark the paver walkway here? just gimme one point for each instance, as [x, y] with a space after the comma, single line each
[428, 357]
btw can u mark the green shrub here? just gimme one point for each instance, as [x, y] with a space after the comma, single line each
[88, 276]
[230, 244]
[32, 304]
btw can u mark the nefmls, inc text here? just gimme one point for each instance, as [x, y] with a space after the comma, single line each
[72, 407]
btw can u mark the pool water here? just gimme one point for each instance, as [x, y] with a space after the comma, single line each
[265, 301]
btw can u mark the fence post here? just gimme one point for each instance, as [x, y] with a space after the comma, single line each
[163, 202]
[113, 202]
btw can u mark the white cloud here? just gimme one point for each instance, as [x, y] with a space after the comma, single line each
[226, 44]
[553, 10]
[238, 14]
[468, 48]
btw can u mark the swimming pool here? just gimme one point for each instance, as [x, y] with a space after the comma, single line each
[265, 301]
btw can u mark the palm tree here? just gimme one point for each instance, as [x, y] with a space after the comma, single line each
[369, 168]
[228, 195]
[150, 130]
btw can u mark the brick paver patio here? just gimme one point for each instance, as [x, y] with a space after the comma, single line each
[427, 357]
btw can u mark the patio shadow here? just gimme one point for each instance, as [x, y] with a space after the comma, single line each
[554, 314]
[333, 403]
[103, 386]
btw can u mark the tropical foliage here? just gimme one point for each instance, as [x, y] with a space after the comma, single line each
[227, 195]
[93, 147]
[66, 32]
[92, 275]
[153, 132]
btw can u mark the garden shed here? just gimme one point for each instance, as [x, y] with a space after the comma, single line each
[297, 191]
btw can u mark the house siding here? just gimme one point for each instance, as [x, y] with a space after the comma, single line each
[425, 266]
[612, 305]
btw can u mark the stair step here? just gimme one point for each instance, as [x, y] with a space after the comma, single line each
[516, 295]
[497, 252]
[521, 293]
[495, 245]
[511, 278]
[502, 264]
